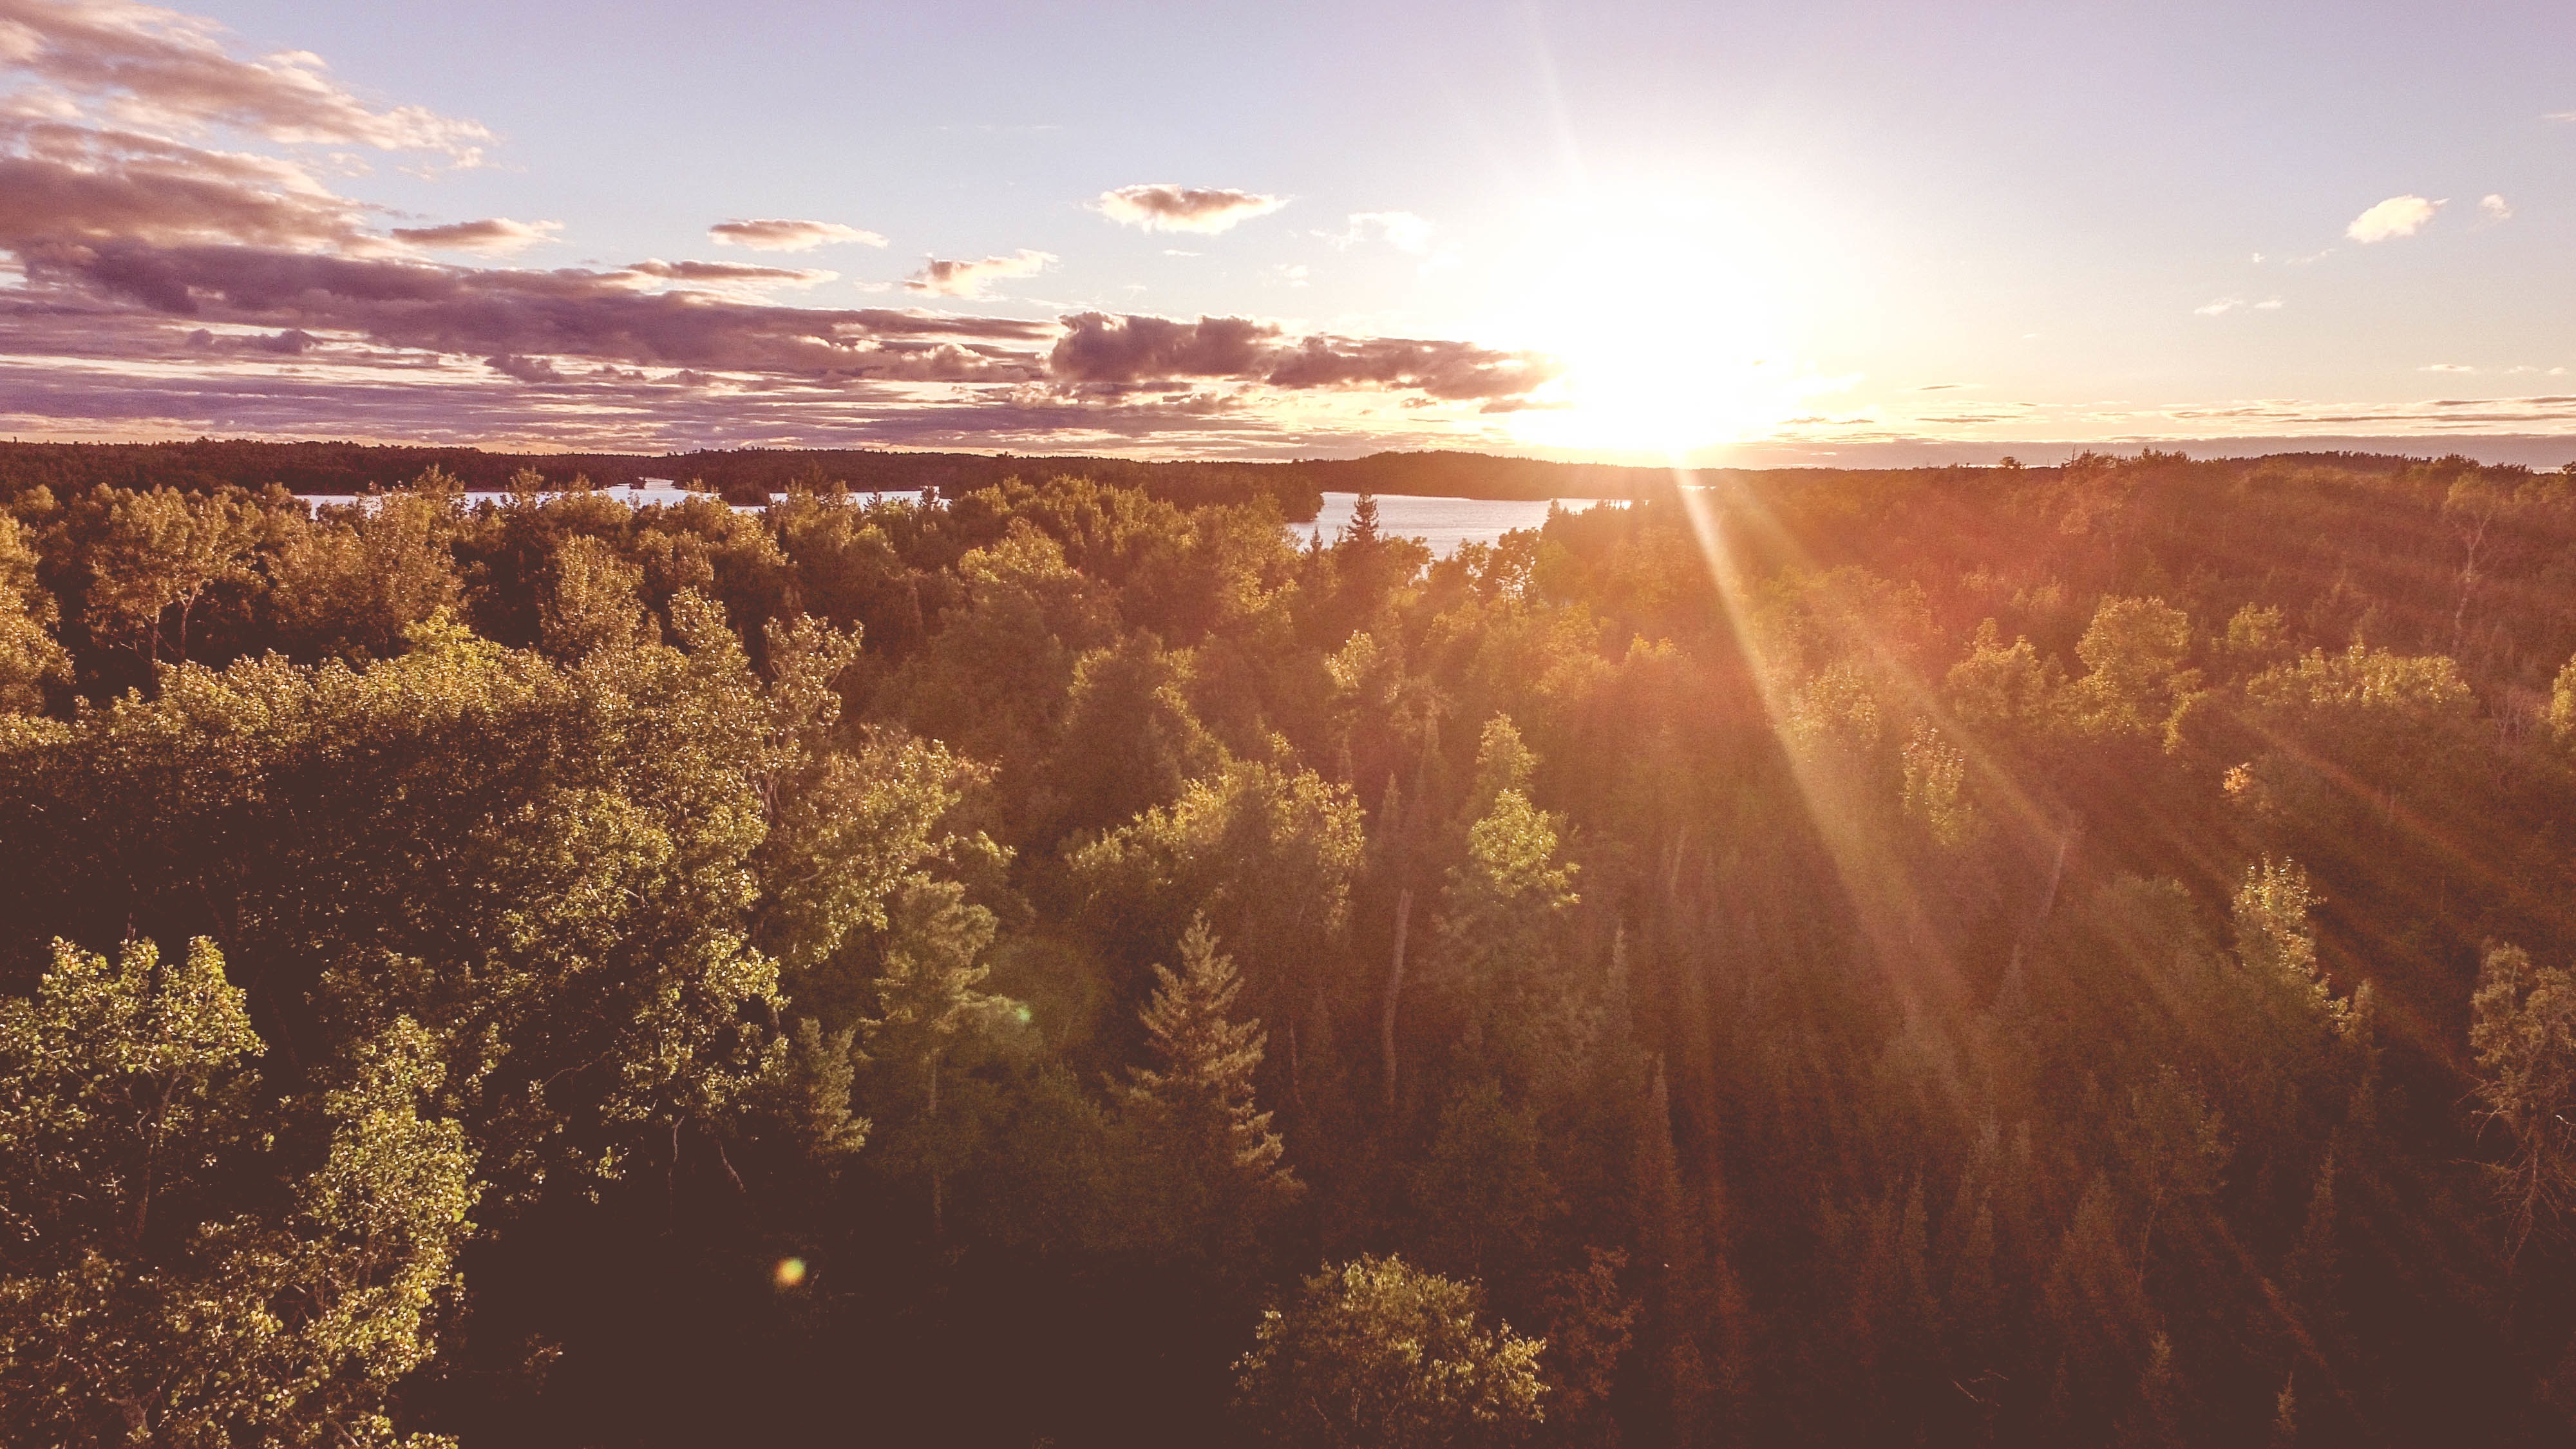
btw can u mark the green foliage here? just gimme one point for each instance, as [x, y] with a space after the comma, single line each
[761, 927]
[144, 1295]
[1268, 855]
[931, 1014]
[156, 557]
[30, 657]
[1997, 686]
[2136, 681]
[349, 586]
[2523, 1029]
[1380, 1355]
[1215, 1168]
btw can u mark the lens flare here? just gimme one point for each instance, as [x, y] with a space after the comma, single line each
[789, 1273]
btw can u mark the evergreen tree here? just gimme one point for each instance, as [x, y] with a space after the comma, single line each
[1198, 1096]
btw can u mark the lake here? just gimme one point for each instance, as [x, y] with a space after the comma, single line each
[1443, 523]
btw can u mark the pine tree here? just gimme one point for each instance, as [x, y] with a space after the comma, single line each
[1199, 1092]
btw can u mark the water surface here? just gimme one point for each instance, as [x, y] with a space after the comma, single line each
[1443, 523]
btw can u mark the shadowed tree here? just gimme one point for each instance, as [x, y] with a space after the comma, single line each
[1204, 1139]
[2523, 1029]
[1380, 1355]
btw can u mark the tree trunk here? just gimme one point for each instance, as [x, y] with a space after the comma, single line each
[1394, 993]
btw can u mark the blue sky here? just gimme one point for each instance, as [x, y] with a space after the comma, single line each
[1835, 232]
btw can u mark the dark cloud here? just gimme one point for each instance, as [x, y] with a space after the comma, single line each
[1100, 349]
[779, 235]
[1451, 370]
[525, 369]
[1161, 206]
[496, 234]
[158, 67]
[64, 182]
[487, 312]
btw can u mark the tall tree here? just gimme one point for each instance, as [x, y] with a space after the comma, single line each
[2523, 1029]
[1194, 1110]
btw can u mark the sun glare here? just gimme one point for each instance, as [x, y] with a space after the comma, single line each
[1677, 325]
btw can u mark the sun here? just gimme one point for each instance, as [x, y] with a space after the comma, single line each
[1676, 328]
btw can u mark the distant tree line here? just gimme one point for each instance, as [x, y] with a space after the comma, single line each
[752, 475]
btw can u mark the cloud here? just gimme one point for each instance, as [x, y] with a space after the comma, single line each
[525, 369]
[494, 236]
[2225, 305]
[974, 279]
[2446, 367]
[1164, 207]
[156, 68]
[734, 273]
[179, 271]
[1100, 348]
[569, 312]
[1143, 351]
[62, 182]
[778, 235]
[133, 125]
[2495, 207]
[2397, 216]
[1401, 230]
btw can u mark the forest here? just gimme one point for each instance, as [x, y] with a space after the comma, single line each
[2052, 956]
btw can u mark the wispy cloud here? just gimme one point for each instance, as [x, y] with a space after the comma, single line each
[736, 274]
[2224, 305]
[2495, 207]
[492, 236]
[1161, 206]
[1401, 230]
[2446, 367]
[975, 279]
[2397, 216]
[776, 234]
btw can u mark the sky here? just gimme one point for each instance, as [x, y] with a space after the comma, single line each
[1859, 233]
